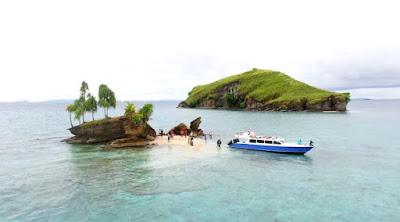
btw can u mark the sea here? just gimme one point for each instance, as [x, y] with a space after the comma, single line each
[352, 174]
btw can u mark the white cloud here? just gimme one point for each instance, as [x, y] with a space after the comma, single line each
[161, 49]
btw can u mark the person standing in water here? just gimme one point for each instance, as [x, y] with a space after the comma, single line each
[205, 137]
[169, 138]
[219, 143]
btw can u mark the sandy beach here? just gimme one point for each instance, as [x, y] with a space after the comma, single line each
[179, 141]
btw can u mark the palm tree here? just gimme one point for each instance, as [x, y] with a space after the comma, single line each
[79, 110]
[78, 113]
[84, 88]
[70, 109]
[91, 105]
[82, 98]
[106, 98]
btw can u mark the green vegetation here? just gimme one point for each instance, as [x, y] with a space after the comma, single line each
[82, 100]
[146, 111]
[143, 114]
[136, 118]
[265, 86]
[91, 105]
[230, 100]
[130, 108]
[70, 109]
[106, 98]
[93, 123]
[84, 88]
[87, 102]
[78, 109]
[348, 99]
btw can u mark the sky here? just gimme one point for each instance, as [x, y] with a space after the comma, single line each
[156, 50]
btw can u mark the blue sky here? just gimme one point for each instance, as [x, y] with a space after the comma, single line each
[162, 49]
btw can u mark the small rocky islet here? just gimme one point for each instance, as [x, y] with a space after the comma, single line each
[121, 132]
[264, 90]
[114, 132]
[129, 130]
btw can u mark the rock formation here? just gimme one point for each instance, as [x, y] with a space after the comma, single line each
[183, 104]
[116, 133]
[181, 127]
[194, 127]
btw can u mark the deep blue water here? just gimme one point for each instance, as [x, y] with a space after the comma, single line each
[353, 174]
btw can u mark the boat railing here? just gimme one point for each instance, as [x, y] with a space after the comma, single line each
[252, 135]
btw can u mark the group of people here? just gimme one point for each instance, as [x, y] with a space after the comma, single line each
[190, 136]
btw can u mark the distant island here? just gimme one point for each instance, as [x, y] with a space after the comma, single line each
[356, 99]
[264, 90]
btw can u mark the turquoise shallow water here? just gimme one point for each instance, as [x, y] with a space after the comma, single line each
[351, 175]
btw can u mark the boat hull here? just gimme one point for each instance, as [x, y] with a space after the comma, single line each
[275, 149]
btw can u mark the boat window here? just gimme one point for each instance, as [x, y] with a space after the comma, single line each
[267, 141]
[252, 141]
[260, 141]
[275, 142]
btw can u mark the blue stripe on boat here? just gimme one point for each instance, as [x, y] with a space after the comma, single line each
[278, 149]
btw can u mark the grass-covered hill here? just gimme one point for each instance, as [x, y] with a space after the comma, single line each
[264, 90]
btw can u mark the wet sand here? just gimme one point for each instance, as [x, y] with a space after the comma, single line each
[179, 141]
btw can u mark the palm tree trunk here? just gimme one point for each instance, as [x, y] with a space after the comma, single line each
[83, 117]
[70, 120]
[105, 113]
[93, 116]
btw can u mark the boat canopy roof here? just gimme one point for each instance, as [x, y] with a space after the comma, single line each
[252, 135]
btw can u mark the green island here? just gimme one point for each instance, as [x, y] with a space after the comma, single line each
[259, 89]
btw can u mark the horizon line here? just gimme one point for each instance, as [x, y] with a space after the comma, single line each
[144, 100]
[69, 100]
